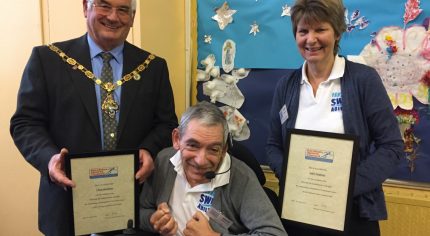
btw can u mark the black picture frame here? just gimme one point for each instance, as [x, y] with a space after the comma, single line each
[308, 187]
[115, 157]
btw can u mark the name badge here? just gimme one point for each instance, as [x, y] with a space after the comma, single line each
[283, 114]
[219, 218]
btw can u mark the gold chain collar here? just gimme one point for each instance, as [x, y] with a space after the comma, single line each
[109, 87]
[109, 105]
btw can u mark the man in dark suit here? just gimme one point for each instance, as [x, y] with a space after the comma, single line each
[61, 107]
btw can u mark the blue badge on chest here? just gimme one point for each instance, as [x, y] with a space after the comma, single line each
[205, 201]
[336, 102]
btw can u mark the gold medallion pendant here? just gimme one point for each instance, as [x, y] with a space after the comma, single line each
[110, 106]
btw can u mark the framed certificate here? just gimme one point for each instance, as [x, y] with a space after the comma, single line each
[105, 198]
[317, 179]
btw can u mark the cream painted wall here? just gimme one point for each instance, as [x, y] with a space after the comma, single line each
[163, 33]
[19, 181]
[160, 30]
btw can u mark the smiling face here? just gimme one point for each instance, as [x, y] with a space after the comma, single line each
[108, 30]
[202, 150]
[316, 41]
[328, 17]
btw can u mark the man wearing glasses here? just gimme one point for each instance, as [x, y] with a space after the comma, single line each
[90, 94]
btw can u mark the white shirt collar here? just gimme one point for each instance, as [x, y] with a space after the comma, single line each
[336, 72]
[218, 181]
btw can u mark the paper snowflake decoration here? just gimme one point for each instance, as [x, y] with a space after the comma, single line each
[208, 39]
[224, 15]
[254, 29]
[286, 11]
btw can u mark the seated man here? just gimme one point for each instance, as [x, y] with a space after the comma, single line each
[198, 189]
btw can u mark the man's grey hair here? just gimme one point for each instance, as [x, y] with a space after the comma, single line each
[133, 5]
[207, 114]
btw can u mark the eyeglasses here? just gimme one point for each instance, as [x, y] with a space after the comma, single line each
[106, 9]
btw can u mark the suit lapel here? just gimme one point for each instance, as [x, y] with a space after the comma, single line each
[130, 89]
[84, 86]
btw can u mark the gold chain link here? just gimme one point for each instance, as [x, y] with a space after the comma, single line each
[109, 87]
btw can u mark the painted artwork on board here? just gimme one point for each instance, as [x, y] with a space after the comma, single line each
[245, 46]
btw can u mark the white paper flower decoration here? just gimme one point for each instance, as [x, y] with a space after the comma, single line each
[397, 55]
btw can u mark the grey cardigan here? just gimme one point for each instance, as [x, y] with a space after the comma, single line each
[243, 200]
[368, 113]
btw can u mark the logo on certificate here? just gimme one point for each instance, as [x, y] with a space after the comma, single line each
[103, 172]
[319, 155]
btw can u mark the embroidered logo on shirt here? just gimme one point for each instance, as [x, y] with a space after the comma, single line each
[336, 101]
[205, 201]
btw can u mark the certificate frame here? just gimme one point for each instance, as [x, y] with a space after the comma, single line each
[317, 182]
[106, 195]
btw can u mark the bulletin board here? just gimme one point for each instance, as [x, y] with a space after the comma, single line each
[246, 46]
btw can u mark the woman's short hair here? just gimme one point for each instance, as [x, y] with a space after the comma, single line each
[312, 11]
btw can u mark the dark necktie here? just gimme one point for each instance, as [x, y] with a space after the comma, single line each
[108, 116]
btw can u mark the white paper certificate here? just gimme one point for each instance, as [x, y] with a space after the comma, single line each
[317, 179]
[104, 196]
